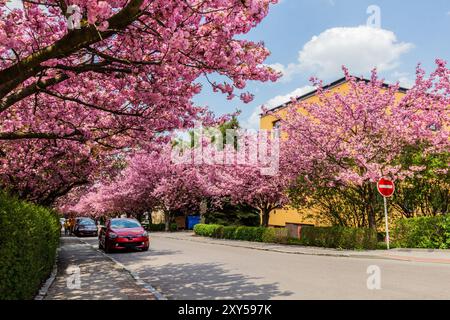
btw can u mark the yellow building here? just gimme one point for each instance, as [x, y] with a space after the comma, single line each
[279, 217]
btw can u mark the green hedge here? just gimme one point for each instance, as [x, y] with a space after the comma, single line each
[257, 234]
[209, 230]
[422, 232]
[330, 237]
[229, 232]
[276, 235]
[29, 236]
[249, 233]
[339, 237]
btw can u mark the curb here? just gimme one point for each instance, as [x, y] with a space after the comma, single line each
[322, 254]
[44, 289]
[158, 295]
[341, 255]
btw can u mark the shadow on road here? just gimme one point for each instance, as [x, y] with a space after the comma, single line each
[207, 281]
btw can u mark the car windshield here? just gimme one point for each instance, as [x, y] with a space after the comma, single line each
[86, 222]
[121, 224]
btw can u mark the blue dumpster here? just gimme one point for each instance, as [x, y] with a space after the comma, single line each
[192, 221]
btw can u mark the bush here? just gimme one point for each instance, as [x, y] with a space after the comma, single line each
[229, 232]
[173, 227]
[330, 237]
[275, 235]
[422, 232]
[29, 236]
[256, 234]
[249, 233]
[209, 230]
[339, 237]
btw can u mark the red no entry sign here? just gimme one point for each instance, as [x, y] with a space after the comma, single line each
[386, 187]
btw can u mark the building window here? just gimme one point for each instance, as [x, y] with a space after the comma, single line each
[276, 127]
[276, 124]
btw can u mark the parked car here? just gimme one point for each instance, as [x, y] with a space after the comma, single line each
[122, 234]
[85, 227]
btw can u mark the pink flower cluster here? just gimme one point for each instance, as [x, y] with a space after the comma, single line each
[71, 97]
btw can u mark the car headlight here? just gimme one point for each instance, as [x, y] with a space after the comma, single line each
[112, 235]
[145, 234]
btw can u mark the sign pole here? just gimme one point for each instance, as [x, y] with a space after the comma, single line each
[386, 222]
[386, 188]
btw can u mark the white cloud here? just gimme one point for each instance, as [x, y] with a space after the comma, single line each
[253, 121]
[359, 48]
[288, 71]
[403, 78]
[279, 100]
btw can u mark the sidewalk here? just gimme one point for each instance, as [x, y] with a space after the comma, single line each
[100, 278]
[415, 255]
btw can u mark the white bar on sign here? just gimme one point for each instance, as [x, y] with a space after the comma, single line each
[385, 186]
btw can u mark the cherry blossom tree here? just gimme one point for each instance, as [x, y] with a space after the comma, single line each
[245, 184]
[151, 181]
[349, 140]
[41, 171]
[176, 182]
[129, 69]
[122, 77]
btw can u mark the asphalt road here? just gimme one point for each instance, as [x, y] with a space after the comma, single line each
[192, 270]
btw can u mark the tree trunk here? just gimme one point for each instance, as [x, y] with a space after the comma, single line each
[166, 221]
[265, 213]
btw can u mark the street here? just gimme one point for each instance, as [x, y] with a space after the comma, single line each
[183, 269]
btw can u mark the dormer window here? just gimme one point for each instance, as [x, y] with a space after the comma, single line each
[276, 127]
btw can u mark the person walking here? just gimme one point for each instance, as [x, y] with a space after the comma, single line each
[66, 227]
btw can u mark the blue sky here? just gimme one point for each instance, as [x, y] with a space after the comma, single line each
[315, 37]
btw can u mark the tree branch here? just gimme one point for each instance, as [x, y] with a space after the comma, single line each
[73, 41]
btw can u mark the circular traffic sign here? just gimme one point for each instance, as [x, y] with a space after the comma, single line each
[385, 187]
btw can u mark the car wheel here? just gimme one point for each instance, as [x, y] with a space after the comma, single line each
[145, 249]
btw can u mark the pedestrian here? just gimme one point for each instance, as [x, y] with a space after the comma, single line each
[71, 225]
[66, 227]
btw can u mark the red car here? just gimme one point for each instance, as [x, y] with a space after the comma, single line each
[122, 234]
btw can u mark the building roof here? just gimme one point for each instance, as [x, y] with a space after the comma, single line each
[327, 87]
